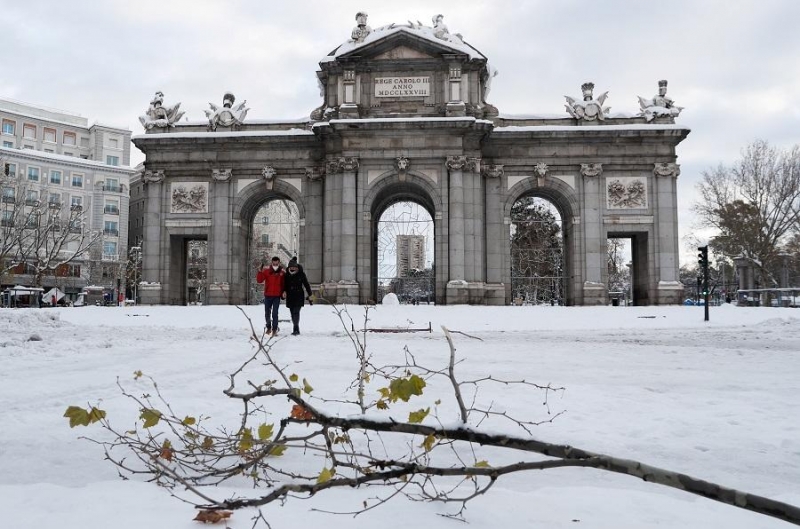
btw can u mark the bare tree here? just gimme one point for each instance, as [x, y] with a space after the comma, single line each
[753, 203]
[352, 440]
[38, 231]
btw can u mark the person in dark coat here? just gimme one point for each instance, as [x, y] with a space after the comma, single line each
[294, 283]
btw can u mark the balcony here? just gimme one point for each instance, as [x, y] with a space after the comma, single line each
[32, 202]
[75, 229]
[55, 227]
[110, 257]
[76, 207]
[111, 210]
[54, 204]
[119, 188]
[7, 223]
[8, 199]
[114, 233]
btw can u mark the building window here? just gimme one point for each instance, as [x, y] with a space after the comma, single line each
[49, 150]
[111, 227]
[32, 198]
[27, 147]
[29, 131]
[55, 177]
[10, 169]
[265, 239]
[70, 138]
[76, 202]
[9, 195]
[84, 142]
[7, 220]
[68, 153]
[109, 250]
[84, 156]
[49, 135]
[9, 126]
[77, 180]
[33, 174]
[54, 199]
[111, 184]
[111, 207]
[113, 143]
[8, 144]
[112, 160]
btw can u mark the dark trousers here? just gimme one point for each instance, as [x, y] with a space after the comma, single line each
[295, 311]
[271, 304]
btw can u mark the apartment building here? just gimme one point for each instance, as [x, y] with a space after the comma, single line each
[82, 173]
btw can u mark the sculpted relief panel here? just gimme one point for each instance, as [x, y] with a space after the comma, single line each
[626, 192]
[189, 197]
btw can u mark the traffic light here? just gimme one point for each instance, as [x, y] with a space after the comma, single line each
[702, 257]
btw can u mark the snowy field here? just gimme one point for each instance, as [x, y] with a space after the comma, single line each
[719, 401]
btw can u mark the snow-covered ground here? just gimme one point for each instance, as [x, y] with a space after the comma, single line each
[718, 400]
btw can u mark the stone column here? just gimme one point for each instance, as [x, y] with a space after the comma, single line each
[594, 291]
[347, 240]
[332, 223]
[490, 243]
[150, 290]
[312, 251]
[456, 284]
[219, 245]
[670, 289]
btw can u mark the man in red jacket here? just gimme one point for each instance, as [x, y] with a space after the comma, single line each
[272, 277]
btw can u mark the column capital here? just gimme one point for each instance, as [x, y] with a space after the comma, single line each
[590, 170]
[456, 163]
[316, 172]
[153, 177]
[492, 171]
[221, 175]
[667, 169]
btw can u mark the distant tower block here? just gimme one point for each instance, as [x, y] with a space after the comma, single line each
[410, 254]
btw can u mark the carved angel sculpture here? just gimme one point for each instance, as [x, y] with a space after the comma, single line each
[159, 116]
[228, 115]
[660, 105]
[590, 109]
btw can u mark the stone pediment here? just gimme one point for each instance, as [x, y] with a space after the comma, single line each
[401, 43]
[401, 52]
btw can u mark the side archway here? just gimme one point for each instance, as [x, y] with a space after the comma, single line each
[546, 270]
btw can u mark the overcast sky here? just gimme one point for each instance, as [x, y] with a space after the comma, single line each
[734, 65]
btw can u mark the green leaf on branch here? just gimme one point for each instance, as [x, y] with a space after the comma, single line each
[246, 442]
[307, 389]
[326, 475]
[384, 392]
[482, 464]
[137, 374]
[381, 405]
[428, 443]
[265, 432]
[81, 417]
[405, 388]
[208, 443]
[293, 378]
[96, 414]
[188, 421]
[277, 450]
[150, 417]
[416, 417]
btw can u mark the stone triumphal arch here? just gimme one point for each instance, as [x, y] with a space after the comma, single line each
[405, 117]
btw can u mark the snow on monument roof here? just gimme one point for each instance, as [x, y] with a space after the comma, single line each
[453, 42]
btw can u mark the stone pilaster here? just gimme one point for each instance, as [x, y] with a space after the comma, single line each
[150, 289]
[665, 208]
[594, 290]
[347, 241]
[456, 283]
[219, 244]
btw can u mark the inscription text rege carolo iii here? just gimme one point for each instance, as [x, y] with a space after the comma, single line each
[402, 86]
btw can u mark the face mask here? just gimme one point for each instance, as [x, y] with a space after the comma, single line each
[275, 267]
[293, 270]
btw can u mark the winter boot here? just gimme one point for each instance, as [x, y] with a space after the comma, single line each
[296, 330]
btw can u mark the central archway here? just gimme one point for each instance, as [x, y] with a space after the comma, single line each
[403, 214]
[274, 232]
